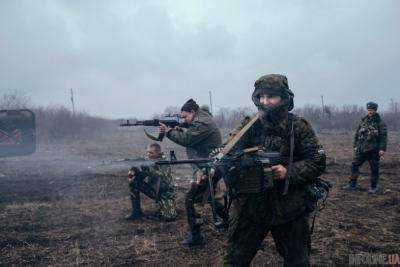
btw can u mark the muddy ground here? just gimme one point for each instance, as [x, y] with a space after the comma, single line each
[59, 207]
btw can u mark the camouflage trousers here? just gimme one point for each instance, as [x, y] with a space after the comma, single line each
[373, 159]
[248, 229]
[197, 194]
[165, 197]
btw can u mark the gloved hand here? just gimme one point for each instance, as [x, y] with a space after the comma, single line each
[216, 151]
[132, 173]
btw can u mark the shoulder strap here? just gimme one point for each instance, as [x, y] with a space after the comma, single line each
[237, 137]
[290, 168]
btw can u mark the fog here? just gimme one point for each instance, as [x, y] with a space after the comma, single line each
[134, 58]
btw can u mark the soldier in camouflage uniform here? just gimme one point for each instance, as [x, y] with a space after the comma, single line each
[258, 211]
[369, 145]
[200, 138]
[156, 183]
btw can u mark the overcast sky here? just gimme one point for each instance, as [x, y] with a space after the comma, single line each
[134, 58]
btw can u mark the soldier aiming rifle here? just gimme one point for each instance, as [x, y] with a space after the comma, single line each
[200, 136]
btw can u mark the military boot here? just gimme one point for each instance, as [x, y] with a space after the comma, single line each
[373, 189]
[136, 212]
[194, 238]
[222, 224]
[351, 185]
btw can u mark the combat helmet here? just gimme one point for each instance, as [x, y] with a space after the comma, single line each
[276, 84]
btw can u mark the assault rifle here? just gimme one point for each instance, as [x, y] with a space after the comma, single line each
[229, 167]
[172, 123]
[155, 122]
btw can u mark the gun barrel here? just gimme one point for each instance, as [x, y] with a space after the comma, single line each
[187, 161]
[140, 123]
[128, 123]
[155, 122]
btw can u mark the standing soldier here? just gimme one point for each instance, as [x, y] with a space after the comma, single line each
[155, 182]
[369, 145]
[200, 137]
[278, 204]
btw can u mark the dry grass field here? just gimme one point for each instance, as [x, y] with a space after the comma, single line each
[60, 207]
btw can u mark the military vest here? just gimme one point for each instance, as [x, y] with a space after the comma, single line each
[368, 134]
[268, 139]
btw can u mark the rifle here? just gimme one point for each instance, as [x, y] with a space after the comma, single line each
[155, 122]
[122, 161]
[250, 158]
[173, 115]
[228, 167]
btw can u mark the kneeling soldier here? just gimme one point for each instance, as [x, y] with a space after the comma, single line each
[155, 182]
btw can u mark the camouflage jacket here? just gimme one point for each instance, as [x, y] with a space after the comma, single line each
[200, 138]
[371, 134]
[309, 162]
[164, 173]
[153, 178]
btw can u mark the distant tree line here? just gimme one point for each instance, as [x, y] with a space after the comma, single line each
[344, 118]
[58, 122]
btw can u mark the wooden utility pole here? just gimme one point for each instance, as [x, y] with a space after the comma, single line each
[211, 107]
[72, 102]
[323, 106]
[393, 106]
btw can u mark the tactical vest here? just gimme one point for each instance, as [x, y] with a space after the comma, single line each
[368, 134]
[255, 180]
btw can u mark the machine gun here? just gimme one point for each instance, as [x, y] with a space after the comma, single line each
[122, 161]
[232, 168]
[172, 123]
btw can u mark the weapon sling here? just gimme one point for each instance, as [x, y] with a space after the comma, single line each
[228, 147]
[290, 168]
[232, 143]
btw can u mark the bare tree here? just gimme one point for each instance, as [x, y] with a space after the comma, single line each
[229, 118]
[14, 100]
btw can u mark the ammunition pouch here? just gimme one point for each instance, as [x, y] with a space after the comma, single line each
[248, 176]
[317, 191]
[249, 180]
